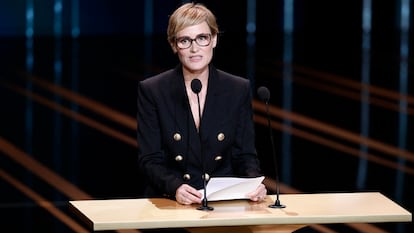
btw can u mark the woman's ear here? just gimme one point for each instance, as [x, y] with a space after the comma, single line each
[174, 49]
[215, 38]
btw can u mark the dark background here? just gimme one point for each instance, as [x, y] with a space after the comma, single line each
[315, 72]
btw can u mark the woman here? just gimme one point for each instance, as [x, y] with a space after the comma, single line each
[175, 147]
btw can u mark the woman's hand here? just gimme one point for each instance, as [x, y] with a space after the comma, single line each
[259, 194]
[187, 195]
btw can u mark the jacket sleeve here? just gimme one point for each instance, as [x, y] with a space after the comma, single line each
[244, 155]
[152, 160]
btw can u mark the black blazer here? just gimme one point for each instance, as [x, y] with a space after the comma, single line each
[169, 151]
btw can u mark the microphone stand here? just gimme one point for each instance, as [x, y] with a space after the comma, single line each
[277, 204]
[205, 206]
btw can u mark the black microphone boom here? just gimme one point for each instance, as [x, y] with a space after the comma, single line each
[264, 95]
[196, 88]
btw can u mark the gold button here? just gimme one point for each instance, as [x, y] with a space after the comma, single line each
[177, 137]
[187, 177]
[220, 137]
[218, 157]
[207, 176]
[178, 158]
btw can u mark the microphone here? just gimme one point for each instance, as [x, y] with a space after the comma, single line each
[264, 95]
[196, 88]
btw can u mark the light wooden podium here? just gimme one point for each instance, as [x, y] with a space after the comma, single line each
[243, 215]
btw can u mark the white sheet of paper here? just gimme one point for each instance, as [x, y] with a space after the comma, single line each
[230, 188]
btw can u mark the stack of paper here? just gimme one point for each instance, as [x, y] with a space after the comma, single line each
[230, 188]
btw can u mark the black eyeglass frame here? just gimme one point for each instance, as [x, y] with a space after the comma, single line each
[207, 36]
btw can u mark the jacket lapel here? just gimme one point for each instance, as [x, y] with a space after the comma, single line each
[209, 117]
[184, 119]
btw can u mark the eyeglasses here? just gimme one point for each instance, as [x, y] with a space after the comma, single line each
[185, 42]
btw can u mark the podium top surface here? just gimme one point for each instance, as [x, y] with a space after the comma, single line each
[367, 207]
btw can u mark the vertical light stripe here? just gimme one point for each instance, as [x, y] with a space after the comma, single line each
[365, 80]
[75, 26]
[148, 31]
[74, 125]
[28, 225]
[57, 118]
[288, 29]
[148, 17]
[29, 69]
[57, 20]
[403, 89]
[57, 68]
[251, 41]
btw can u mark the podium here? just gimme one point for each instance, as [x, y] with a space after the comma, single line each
[242, 215]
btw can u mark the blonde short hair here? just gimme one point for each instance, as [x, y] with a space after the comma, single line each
[190, 14]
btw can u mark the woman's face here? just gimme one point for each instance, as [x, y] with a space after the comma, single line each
[195, 58]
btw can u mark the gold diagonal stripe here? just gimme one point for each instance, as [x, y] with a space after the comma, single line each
[42, 202]
[46, 174]
[337, 146]
[77, 116]
[95, 106]
[42, 171]
[336, 131]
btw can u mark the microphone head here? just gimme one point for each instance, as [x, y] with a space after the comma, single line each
[196, 85]
[263, 93]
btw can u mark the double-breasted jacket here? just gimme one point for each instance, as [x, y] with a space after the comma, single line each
[171, 150]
